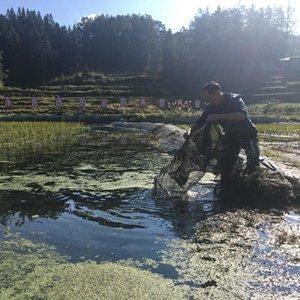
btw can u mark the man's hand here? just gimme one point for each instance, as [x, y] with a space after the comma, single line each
[186, 135]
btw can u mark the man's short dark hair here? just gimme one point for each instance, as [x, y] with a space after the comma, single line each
[211, 87]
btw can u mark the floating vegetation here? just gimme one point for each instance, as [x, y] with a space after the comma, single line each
[37, 271]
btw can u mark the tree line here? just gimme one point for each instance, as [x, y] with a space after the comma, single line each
[234, 46]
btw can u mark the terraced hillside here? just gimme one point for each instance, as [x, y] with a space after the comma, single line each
[89, 86]
[98, 84]
[277, 100]
[281, 83]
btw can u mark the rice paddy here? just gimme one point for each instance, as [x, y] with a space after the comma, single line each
[280, 111]
[20, 137]
[280, 129]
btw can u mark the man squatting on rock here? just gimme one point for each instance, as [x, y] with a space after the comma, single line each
[229, 110]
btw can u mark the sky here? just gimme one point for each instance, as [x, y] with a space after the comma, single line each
[175, 14]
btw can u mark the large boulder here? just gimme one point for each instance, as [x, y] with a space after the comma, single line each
[260, 188]
[169, 137]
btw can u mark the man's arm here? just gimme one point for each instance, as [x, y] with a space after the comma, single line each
[236, 116]
[200, 121]
[238, 113]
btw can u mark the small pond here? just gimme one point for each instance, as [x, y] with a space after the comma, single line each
[93, 200]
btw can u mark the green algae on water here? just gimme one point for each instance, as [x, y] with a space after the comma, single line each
[31, 270]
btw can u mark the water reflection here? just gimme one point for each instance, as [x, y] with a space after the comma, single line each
[17, 207]
[126, 223]
[130, 208]
[109, 161]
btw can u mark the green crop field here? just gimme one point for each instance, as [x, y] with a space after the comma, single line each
[279, 129]
[17, 137]
[283, 111]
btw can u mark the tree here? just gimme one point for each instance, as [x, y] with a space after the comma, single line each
[35, 49]
[130, 43]
[234, 46]
[1, 71]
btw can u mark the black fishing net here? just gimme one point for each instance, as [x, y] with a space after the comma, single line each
[191, 161]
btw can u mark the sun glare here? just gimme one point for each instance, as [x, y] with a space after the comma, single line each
[184, 11]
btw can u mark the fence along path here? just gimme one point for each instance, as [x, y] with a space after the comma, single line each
[84, 104]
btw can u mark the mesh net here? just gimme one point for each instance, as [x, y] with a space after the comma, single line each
[190, 162]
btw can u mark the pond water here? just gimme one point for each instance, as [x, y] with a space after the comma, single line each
[94, 201]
